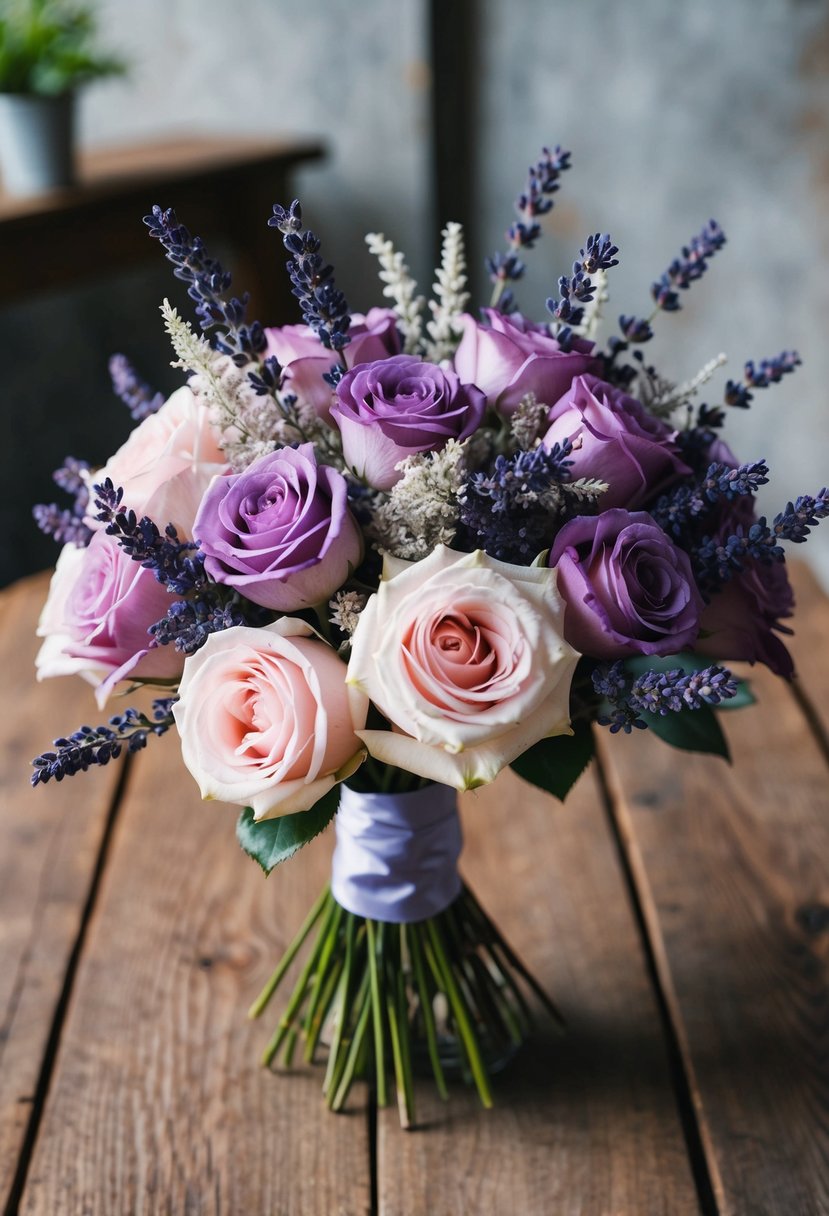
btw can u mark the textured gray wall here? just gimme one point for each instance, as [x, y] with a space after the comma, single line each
[674, 112]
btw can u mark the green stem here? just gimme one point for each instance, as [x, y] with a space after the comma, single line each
[331, 934]
[355, 1051]
[289, 955]
[427, 1010]
[405, 1044]
[322, 1010]
[459, 1010]
[341, 1005]
[377, 1012]
[338, 1087]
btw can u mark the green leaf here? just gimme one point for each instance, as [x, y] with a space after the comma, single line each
[275, 840]
[556, 764]
[693, 730]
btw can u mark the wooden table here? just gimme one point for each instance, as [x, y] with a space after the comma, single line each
[221, 186]
[677, 908]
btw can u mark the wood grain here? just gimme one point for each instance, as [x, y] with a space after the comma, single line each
[584, 1122]
[732, 869]
[49, 844]
[810, 645]
[159, 1104]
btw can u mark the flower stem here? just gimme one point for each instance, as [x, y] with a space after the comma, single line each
[289, 955]
[460, 1013]
[377, 1015]
[427, 1011]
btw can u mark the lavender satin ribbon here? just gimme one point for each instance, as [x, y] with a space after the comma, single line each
[396, 856]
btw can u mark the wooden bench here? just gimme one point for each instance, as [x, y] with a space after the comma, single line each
[678, 910]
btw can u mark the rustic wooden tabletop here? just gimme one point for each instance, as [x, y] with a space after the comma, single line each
[677, 908]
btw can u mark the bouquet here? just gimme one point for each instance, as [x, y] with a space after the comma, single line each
[367, 561]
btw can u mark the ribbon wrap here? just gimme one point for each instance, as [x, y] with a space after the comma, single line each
[396, 857]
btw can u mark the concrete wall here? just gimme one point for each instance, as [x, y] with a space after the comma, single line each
[674, 112]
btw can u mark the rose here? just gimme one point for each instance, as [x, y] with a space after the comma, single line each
[280, 531]
[396, 407]
[616, 441]
[509, 357]
[167, 463]
[266, 719]
[743, 617]
[627, 589]
[305, 360]
[465, 657]
[100, 606]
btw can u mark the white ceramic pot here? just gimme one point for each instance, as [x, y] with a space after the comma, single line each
[36, 142]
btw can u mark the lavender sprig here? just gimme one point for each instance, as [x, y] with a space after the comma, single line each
[685, 504]
[768, 372]
[208, 284]
[67, 525]
[135, 393]
[97, 745]
[189, 623]
[534, 200]
[176, 563]
[682, 272]
[657, 692]
[324, 307]
[598, 254]
[512, 511]
[717, 559]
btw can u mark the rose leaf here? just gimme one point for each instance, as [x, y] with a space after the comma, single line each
[275, 840]
[554, 765]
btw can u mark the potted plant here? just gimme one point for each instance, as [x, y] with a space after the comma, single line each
[47, 50]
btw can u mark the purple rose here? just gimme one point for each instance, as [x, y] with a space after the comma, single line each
[509, 357]
[95, 623]
[627, 589]
[742, 620]
[305, 359]
[280, 531]
[615, 440]
[396, 407]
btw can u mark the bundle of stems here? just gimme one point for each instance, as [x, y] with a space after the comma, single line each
[387, 997]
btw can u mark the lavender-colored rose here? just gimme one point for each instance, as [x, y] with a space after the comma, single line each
[95, 622]
[509, 357]
[280, 531]
[627, 588]
[742, 619]
[615, 440]
[397, 407]
[305, 359]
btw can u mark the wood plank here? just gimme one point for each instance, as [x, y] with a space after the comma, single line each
[159, 1103]
[49, 844]
[810, 644]
[584, 1122]
[732, 870]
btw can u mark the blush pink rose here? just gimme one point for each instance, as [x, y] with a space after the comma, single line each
[509, 357]
[100, 606]
[168, 462]
[266, 719]
[465, 656]
[305, 360]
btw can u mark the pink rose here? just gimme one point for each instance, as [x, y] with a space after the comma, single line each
[615, 440]
[266, 719]
[100, 606]
[168, 462]
[509, 357]
[305, 359]
[466, 658]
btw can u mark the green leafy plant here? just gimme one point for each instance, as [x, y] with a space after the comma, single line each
[47, 47]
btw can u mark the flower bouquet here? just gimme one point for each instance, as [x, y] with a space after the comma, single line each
[369, 561]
